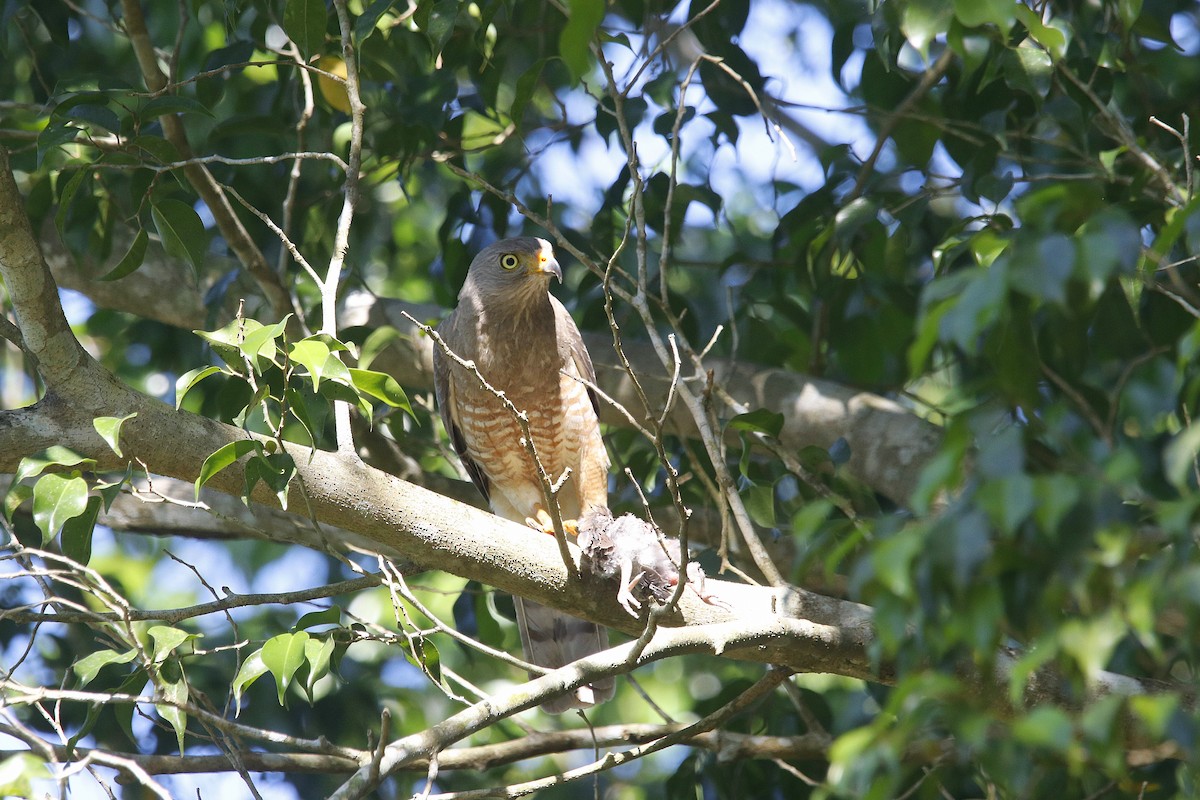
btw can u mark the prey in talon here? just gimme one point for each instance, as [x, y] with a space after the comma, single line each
[633, 551]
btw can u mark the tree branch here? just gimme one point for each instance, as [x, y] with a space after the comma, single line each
[774, 625]
[889, 444]
[198, 176]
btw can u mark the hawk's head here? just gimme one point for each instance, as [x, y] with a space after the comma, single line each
[514, 268]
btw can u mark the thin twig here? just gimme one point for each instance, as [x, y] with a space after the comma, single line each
[928, 80]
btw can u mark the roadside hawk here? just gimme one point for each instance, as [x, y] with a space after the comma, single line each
[525, 344]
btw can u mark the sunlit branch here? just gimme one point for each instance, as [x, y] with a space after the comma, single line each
[754, 694]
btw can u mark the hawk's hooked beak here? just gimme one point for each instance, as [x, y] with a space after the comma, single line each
[548, 265]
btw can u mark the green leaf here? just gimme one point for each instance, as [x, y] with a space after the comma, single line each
[317, 652]
[808, 520]
[172, 104]
[66, 196]
[55, 455]
[109, 429]
[1055, 494]
[77, 532]
[923, 20]
[299, 409]
[18, 774]
[424, 654]
[1177, 223]
[189, 379]
[760, 504]
[1180, 457]
[1053, 37]
[109, 490]
[1008, 500]
[312, 354]
[181, 231]
[89, 108]
[304, 21]
[379, 340]
[1155, 711]
[527, 84]
[131, 260]
[439, 25]
[574, 43]
[275, 470]
[1091, 641]
[1129, 11]
[260, 343]
[326, 616]
[367, 21]
[53, 136]
[56, 499]
[893, 559]
[283, 655]
[251, 670]
[89, 666]
[760, 421]
[973, 13]
[225, 456]
[18, 493]
[154, 148]
[165, 640]
[339, 390]
[380, 386]
[173, 688]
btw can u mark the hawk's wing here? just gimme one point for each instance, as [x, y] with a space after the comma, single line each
[447, 403]
[571, 341]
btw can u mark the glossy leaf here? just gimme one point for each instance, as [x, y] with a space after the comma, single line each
[574, 43]
[174, 688]
[759, 421]
[224, 457]
[283, 655]
[189, 379]
[131, 260]
[165, 640]
[56, 499]
[88, 667]
[251, 670]
[109, 429]
[381, 387]
[304, 21]
[77, 532]
[328, 616]
[53, 456]
[181, 231]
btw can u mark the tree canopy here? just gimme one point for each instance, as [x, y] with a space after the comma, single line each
[895, 308]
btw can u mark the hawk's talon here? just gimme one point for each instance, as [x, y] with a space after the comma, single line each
[541, 521]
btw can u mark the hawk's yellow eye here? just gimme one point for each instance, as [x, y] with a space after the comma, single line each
[509, 261]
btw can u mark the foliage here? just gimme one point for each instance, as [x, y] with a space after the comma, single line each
[1000, 233]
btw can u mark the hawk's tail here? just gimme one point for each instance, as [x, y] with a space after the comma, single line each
[553, 639]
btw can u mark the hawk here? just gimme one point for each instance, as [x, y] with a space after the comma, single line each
[525, 344]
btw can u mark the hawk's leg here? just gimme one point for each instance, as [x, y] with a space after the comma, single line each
[541, 521]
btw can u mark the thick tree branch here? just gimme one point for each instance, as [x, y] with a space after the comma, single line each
[774, 625]
[889, 445]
